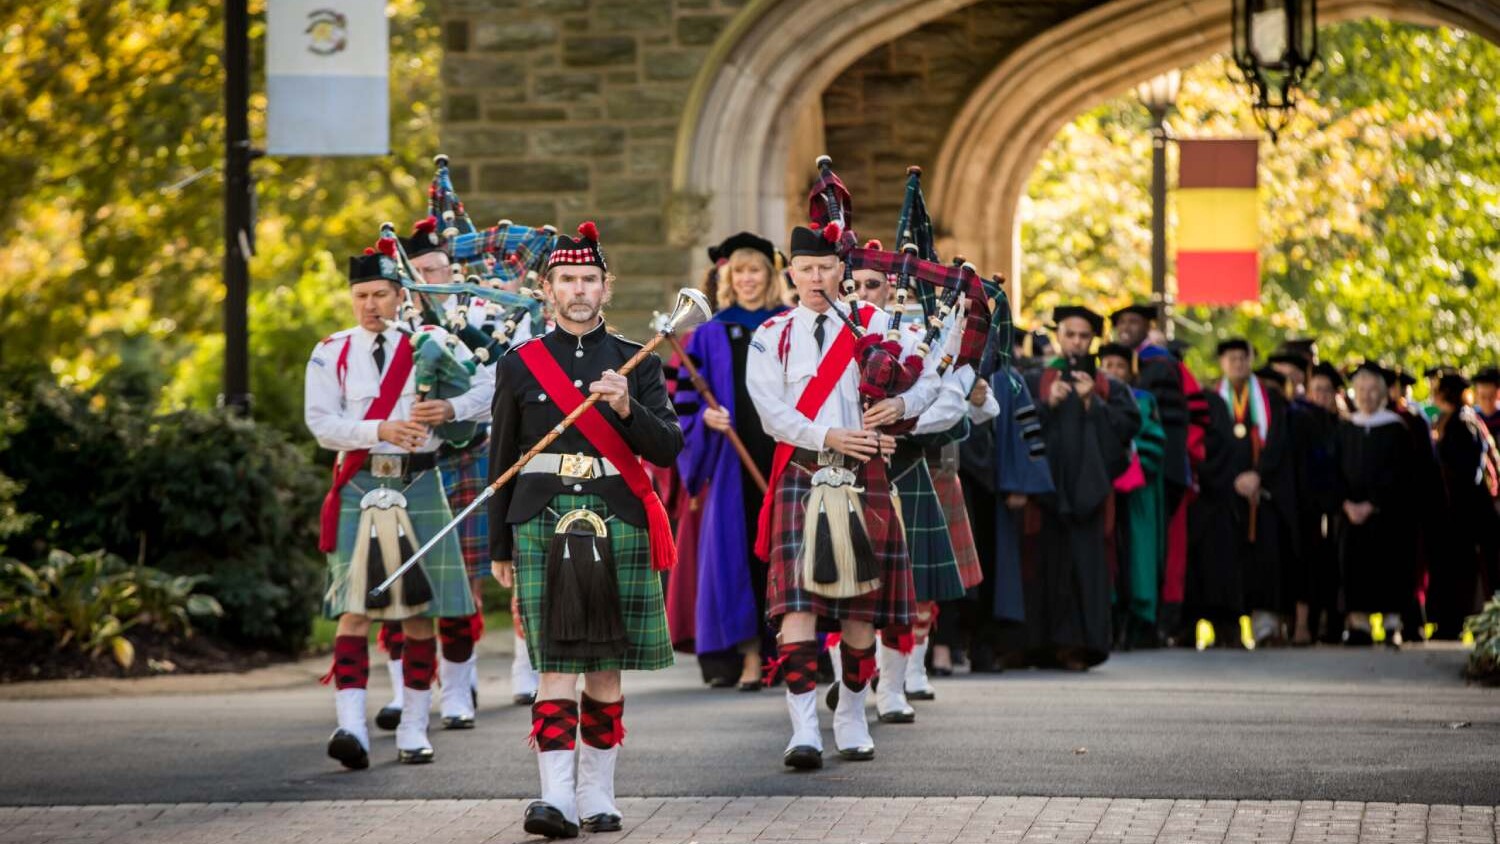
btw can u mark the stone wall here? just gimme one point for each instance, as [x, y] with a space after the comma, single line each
[564, 110]
[555, 111]
[893, 107]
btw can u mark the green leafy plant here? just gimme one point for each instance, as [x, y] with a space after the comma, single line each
[88, 601]
[1484, 662]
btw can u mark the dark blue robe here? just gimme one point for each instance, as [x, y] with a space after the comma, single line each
[1020, 467]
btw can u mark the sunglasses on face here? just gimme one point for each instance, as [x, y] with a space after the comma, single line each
[874, 284]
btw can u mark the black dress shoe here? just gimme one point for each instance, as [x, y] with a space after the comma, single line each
[545, 820]
[900, 716]
[458, 722]
[857, 754]
[604, 822]
[928, 694]
[343, 746]
[388, 718]
[803, 757]
[752, 686]
[523, 699]
[942, 672]
[415, 757]
[721, 683]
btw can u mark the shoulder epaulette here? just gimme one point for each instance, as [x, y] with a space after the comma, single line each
[335, 336]
[627, 341]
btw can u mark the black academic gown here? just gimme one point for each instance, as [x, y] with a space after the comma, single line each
[1378, 558]
[1228, 575]
[1468, 511]
[1088, 446]
[1312, 573]
[1428, 496]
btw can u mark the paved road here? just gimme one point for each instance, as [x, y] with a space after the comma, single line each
[1327, 724]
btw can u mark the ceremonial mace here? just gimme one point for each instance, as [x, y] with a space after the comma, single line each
[690, 310]
[701, 386]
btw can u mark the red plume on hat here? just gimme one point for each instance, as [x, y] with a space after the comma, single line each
[872, 243]
[588, 231]
[386, 246]
[832, 232]
[427, 225]
[369, 250]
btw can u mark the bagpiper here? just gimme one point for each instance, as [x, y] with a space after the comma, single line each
[828, 526]
[586, 532]
[363, 400]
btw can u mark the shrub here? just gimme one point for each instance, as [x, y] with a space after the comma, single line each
[199, 493]
[1484, 662]
[89, 601]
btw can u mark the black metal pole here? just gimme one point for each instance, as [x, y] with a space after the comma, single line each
[239, 191]
[1159, 217]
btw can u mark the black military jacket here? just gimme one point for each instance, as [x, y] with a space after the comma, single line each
[524, 413]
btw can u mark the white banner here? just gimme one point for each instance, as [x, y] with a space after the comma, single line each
[327, 77]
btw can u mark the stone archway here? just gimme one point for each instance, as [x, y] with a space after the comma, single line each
[753, 110]
[747, 114]
[1010, 119]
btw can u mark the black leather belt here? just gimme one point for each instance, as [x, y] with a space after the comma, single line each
[804, 455]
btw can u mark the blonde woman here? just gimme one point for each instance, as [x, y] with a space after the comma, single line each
[732, 634]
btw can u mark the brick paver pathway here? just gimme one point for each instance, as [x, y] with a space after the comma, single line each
[727, 820]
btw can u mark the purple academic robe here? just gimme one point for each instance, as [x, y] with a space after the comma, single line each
[726, 613]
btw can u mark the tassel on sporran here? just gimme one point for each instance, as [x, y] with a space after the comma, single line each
[838, 559]
[584, 617]
[384, 540]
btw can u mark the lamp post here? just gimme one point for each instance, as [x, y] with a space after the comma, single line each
[1274, 43]
[1159, 96]
[239, 193]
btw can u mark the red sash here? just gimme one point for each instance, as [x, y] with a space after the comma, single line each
[603, 436]
[345, 469]
[839, 356]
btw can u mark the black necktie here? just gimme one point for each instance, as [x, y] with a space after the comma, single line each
[818, 330]
[379, 352]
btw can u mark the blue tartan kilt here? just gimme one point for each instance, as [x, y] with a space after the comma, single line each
[427, 507]
[465, 475]
[934, 566]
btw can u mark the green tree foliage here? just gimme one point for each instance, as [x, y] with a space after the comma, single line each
[106, 108]
[1380, 226]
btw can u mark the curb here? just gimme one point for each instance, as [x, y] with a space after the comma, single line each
[287, 675]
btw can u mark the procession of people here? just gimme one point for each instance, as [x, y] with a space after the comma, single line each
[856, 471]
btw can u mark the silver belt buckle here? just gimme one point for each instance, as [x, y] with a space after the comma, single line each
[580, 466]
[385, 465]
[835, 476]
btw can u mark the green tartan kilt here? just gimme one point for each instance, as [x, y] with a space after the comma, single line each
[934, 566]
[427, 507]
[641, 601]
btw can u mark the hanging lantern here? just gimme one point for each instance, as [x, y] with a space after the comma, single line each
[1275, 44]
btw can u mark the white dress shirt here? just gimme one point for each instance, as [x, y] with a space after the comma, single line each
[952, 403]
[776, 385]
[336, 413]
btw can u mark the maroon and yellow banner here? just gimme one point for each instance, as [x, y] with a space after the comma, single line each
[1218, 222]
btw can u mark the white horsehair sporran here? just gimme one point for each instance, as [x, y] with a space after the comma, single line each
[838, 560]
[384, 539]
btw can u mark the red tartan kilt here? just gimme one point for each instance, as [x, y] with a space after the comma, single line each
[891, 604]
[950, 493]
